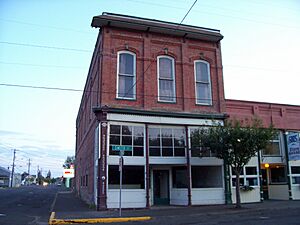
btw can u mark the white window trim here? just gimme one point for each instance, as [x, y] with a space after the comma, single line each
[134, 75]
[174, 82]
[245, 176]
[280, 145]
[160, 141]
[209, 82]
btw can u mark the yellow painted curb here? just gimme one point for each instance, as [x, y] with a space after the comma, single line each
[53, 221]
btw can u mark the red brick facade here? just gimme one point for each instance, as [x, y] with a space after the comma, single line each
[100, 88]
[283, 117]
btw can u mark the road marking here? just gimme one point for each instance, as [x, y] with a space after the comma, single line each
[264, 217]
[53, 203]
[53, 221]
[2, 214]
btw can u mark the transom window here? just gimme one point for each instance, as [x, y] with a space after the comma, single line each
[131, 136]
[166, 141]
[202, 83]
[126, 75]
[166, 79]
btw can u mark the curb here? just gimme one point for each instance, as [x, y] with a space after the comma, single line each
[53, 221]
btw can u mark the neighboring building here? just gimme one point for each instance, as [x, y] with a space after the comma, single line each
[150, 84]
[4, 177]
[279, 163]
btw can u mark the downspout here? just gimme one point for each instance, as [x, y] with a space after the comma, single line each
[188, 167]
[260, 177]
[288, 172]
[147, 170]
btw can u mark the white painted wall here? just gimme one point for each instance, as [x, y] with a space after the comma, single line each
[279, 192]
[247, 196]
[179, 196]
[296, 192]
[133, 198]
[206, 196]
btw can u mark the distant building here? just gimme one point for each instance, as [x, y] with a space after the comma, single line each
[150, 84]
[4, 177]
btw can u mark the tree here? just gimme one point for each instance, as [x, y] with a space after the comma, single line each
[49, 174]
[235, 143]
[69, 161]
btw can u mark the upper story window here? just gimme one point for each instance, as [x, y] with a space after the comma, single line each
[166, 79]
[273, 148]
[126, 87]
[202, 83]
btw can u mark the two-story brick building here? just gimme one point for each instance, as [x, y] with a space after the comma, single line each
[150, 84]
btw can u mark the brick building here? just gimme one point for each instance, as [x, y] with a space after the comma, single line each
[150, 84]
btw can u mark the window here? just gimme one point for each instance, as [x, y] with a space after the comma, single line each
[295, 174]
[248, 176]
[278, 175]
[126, 75]
[166, 141]
[273, 148]
[132, 136]
[207, 177]
[132, 177]
[202, 82]
[196, 149]
[166, 79]
[179, 177]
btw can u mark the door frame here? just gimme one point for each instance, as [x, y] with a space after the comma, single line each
[152, 170]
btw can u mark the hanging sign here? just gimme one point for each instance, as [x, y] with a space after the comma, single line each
[293, 146]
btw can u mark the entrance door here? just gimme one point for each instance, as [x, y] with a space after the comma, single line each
[265, 184]
[161, 187]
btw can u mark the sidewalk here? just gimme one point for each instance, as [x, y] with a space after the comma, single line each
[68, 206]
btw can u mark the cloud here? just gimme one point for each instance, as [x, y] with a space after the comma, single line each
[43, 154]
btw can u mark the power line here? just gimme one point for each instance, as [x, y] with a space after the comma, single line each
[163, 48]
[44, 46]
[217, 14]
[45, 26]
[41, 87]
[42, 65]
[104, 92]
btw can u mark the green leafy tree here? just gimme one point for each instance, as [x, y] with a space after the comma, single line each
[235, 143]
[69, 161]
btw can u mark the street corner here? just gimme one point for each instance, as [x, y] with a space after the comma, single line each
[53, 221]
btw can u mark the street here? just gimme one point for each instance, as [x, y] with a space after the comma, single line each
[31, 205]
[26, 205]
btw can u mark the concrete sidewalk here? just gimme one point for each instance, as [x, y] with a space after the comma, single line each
[68, 206]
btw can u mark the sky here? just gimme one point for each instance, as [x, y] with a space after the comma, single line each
[50, 44]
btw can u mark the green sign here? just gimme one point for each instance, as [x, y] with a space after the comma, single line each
[121, 148]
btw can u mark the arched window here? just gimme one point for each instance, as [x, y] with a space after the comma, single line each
[166, 79]
[126, 75]
[202, 82]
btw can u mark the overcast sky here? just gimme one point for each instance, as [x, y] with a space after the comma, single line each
[50, 44]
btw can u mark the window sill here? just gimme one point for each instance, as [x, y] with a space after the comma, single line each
[203, 104]
[167, 102]
[127, 99]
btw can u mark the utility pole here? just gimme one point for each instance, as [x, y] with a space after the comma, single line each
[29, 166]
[13, 169]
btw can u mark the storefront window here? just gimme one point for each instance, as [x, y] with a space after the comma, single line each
[179, 177]
[248, 176]
[133, 177]
[132, 136]
[295, 174]
[207, 177]
[166, 142]
[278, 175]
[196, 149]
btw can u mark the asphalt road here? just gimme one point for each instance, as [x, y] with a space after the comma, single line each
[26, 205]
